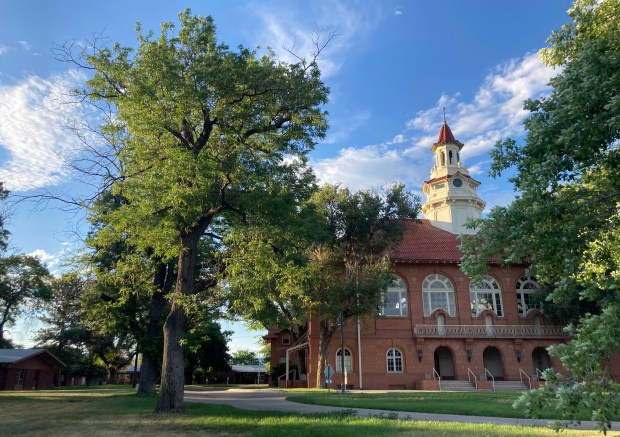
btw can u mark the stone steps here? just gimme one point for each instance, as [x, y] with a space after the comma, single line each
[448, 385]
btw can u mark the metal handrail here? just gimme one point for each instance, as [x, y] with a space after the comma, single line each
[436, 374]
[486, 372]
[293, 371]
[529, 380]
[539, 374]
[469, 372]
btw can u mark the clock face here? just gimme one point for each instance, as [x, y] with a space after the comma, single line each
[457, 183]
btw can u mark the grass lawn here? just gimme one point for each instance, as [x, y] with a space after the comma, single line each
[120, 412]
[493, 404]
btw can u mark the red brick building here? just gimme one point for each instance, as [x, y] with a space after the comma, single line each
[28, 369]
[436, 325]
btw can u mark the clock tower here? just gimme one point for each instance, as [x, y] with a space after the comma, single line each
[451, 196]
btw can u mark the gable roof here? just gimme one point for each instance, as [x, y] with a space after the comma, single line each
[424, 243]
[14, 356]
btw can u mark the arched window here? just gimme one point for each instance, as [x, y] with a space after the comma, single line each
[458, 158]
[450, 155]
[526, 287]
[348, 360]
[438, 293]
[443, 158]
[394, 360]
[395, 299]
[486, 295]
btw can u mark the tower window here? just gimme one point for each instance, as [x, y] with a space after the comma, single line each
[443, 158]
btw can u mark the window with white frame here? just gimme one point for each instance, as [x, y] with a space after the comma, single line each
[394, 359]
[527, 286]
[348, 360]
[395, 299]
[486, 295]
[438, 293]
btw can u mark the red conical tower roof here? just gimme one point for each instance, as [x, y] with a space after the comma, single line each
[445, 135]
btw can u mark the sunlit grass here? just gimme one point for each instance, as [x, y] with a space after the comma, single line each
[493, 404]
[120, 412]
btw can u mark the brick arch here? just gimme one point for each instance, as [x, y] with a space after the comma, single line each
[493, 360]
[444, 362]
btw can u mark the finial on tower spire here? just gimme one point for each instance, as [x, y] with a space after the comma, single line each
[444, 115]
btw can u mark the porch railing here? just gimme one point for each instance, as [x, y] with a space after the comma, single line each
[471, 375]
[437, 377]
[498, 331]
[522, 374]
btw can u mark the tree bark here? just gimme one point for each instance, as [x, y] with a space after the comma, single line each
[150, 349]
[327, 332]
[172, 372]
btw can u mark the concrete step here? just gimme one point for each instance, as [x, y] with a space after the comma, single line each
[510, 386]
[447, 385]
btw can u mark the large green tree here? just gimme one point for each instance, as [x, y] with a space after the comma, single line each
[350, 272]
[565, 219]
[24, 286]
[64, 332]
[330, 257]
[204, 129]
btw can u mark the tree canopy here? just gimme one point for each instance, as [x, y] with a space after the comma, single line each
[564, 221]
[209, 137]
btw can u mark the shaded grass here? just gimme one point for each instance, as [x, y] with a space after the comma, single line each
[120, 412]
[492, 404]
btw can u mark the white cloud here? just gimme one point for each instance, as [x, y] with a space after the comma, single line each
[494, 112]
[24, 45]
[33, 130]
[369, 167]
[55, 262]
[42, 255]
[3, 49]
[398, 10]
[283, 28]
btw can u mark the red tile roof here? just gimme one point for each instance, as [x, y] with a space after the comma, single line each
[446, 137]
[425, 243]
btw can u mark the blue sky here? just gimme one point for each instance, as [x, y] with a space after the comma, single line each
[391, 68]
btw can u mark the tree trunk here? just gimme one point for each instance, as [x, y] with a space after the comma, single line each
[172, 372]
[151, 357]
[112, 375]
[301, 353]
[327, 333]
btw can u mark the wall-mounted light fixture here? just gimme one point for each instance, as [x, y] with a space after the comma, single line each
[519, 356]
[420, 355]
[469, 355]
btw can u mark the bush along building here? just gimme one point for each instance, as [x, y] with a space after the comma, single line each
[437, 329]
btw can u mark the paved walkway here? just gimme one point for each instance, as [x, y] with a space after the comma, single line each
[273, 399]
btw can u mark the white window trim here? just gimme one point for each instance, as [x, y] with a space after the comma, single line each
[348, 361]
[394, 358]
[521, 292]
[397, 287]
[486, 287]
[448, 291]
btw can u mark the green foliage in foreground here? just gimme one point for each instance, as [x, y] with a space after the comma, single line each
[119, 412]
[491, 404]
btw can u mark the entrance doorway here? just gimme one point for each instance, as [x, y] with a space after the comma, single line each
[493, 362]
[541, 359]
[444, 362]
